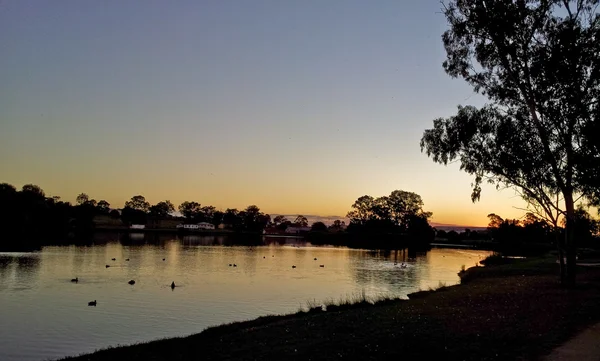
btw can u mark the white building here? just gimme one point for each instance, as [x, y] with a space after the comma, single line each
[137, 226]
[201, 225]
[206, 225]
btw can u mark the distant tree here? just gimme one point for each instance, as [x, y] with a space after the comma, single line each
[207, 213]
[82, 198]
[337, 225]
[114, 214]
[232, 218]
[162, 209]
[103, 207]
[362, 210]
[217, 218]
[538, 63]
[318, 227]
[278, 220]
[495, 220]
[138, 203]
[284, 225]
[452, 236]
[301, 221]
[190, 210]
[33, 190]
[253, 220]
[395, 213]
[441, 234]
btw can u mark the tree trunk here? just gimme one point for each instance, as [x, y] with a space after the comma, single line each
[561, 256]
[570, 246]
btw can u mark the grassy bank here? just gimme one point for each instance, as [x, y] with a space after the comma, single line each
[515, 311]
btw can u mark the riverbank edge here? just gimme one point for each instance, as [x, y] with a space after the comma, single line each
[542, 270]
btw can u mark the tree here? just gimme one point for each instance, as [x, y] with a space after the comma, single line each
[337, 226]
[301, 221]
[82, 198]
[162, 209]
[253, 220]
[114, 214]
[103, 207]
[33, 190]
[207, 213]
[495, 220]
[138, 203]
[538, 64]
[232, 217]
[217, 218]
[362, 210]
[393, 213]
[278, 220]
[318, 227]
[190, 210]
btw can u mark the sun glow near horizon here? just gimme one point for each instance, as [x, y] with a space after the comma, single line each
[231, 110]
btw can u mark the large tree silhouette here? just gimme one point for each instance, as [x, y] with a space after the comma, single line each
[538, 64]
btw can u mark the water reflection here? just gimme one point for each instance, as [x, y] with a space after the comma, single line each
[49, 317]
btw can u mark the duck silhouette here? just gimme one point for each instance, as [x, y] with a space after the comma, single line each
[76, 279]
[132, 282]
[126, 259]
[322, 266]
[107, 266]
[114, 259]
[92, 303]
[293, 266]
[173, 285]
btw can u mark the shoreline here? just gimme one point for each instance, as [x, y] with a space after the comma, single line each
[509, 311]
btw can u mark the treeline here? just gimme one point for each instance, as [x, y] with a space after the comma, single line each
[515, 233]
[388, 222]
[529, 233]
[29, 211]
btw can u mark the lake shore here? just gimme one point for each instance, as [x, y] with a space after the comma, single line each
[513, 311]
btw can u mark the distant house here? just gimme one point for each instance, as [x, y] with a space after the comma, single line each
[297, 230]
[206, 225]
[198, 226]
[137, 226]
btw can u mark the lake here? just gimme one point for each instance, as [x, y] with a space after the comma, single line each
[46, 316]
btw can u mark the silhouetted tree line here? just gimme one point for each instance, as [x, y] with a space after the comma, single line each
[388, 222]
[530, 233]
[30, 212]
[400, 213]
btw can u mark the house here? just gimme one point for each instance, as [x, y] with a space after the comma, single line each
[137, 226]
[195, 227]
[206, 225]
[297, 230]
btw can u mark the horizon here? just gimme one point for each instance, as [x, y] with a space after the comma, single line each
[295, 107]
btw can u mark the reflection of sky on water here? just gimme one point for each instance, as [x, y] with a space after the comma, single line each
[49, 316]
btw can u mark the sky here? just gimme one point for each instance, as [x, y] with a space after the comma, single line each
[299, 107]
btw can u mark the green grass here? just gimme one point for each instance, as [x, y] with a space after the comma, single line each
[516, 311]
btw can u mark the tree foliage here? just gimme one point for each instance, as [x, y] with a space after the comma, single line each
[401, 212]
[538, 64]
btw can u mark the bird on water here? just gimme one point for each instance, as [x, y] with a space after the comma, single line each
[76, 279]
[92, 303]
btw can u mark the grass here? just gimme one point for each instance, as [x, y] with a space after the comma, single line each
[355, 300]
[514, 311]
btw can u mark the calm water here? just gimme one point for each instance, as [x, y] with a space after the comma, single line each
[44, 315]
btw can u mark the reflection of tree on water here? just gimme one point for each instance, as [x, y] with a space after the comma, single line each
[383, 267]
[22, 270]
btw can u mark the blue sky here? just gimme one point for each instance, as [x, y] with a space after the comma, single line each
[298, 107]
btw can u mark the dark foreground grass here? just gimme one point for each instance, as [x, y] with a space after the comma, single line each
[510, 312]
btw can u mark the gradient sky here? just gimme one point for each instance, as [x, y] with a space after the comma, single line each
[296, 106]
